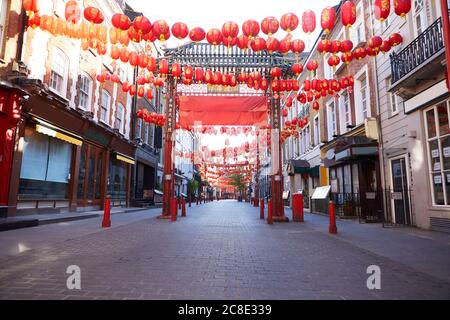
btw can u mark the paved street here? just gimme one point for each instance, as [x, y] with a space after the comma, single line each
[222, 251]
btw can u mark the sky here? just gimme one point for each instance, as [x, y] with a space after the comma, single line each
[213, 14]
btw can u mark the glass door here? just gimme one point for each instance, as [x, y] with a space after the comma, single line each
[400, 194]
[90, 179]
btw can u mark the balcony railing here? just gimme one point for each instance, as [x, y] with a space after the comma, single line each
[420, 50]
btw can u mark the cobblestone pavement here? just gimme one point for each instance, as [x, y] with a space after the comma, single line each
[220, 251]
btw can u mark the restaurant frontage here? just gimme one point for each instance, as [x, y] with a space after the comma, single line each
[355, 178]
[65, 161]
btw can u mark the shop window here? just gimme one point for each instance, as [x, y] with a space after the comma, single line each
[45, 171]
[316, 131]
[346, 111]
[332, 125]
[358, 32]
[117, 182]
[438, 138]
[85, 92]
[362, 98]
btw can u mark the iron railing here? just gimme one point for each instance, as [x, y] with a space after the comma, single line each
[429, 43]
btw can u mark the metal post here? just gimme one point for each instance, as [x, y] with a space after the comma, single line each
[261, 209]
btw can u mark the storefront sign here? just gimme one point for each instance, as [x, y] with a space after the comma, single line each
[334, 186]
[437, 166]
[435, 153]
[321, 193]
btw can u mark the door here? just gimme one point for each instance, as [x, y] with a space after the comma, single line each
[90, 179]
[400, 192]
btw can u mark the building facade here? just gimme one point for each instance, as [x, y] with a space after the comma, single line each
[413, 98]
[71, 145]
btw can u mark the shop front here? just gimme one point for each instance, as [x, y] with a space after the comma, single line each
[355, 178]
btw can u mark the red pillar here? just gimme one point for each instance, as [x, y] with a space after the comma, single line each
[446, 30]
[297, 208]
[183, 208]
[168, 178]
[269, 211]
[333, 228]
[277, 162]
[174, 210]
[106, 223]
[261, 209]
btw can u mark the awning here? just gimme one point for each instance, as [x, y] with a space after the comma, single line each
[124, 158]
[58, 133]
[299, 167]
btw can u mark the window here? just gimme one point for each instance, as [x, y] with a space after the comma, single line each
[106, 99]
[438, 137]
[307, 138]
[139, 129]
[346, 111]
[420, 17]
[328, 70]
[122, 74]
[45, 167]
[362, 98]
[85, 92]
[358, 32]
[119, 117]
[3, 9]
[58, 74]
[332, 125]
[316, 131]
[146, 127]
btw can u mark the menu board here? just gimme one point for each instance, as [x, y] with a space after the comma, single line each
[321, 193]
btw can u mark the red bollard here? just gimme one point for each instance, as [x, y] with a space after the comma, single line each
[174, 210]
[297, 208]
[269, 212]
[333, 228]
[261, 209]
[106, 223]
[183, 208]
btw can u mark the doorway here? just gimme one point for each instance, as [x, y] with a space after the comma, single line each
[400, 201]
[90, 179]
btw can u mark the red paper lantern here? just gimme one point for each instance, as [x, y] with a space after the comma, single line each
[93, 15]
[348, 13]
[289, 102]
[335, 46]
[124, 55]
[72, 11]
[176, 70]
[360, 53]
[375, 42]
[180, 30]
[133, 59]
[347, 57]
[264, 84]
[289, 22]
[402, 7]
[312, 65]
[270, 26]
[272, 44]
[197, 34]
[230, 30]
[229, 42]
[297, 46]
[395, 39]
[243, 77]
[161, 30]
[385, 46]
[121, 21]
[309, 21]
[334, 61]
[285, 46]
[258, 44]
[284, 113]
[372, 52]
[150, 94]
[151, 65]
[297, 69]
[199, 75]
[163, 67]
[275, 72]
[382, 9]
[250, 28]
[328, 19]
[34, 21]
[316, 106]
[142, 25]
[31, 6]
[188, 72]
[242, 42]
[346, 46]
[324, 46]
[214, 37]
